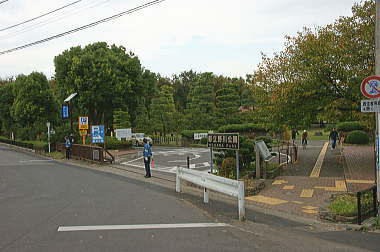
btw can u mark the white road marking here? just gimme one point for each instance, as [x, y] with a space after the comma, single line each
[206, 164]
[192, 166]
[132, 160]
[36, 160]
[143, 226]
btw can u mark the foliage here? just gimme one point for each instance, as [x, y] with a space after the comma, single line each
[349, 126]
[113, 143]
[357, 137]
[121, 119]
[227, 104]
[345, 205]
[204, 141]
[246, 127]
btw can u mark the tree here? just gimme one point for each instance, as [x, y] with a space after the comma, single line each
[105, 77]
[121, 119]
[7, 124]
[227, 104]
[163, 110]
[200, 113]
[34, 104]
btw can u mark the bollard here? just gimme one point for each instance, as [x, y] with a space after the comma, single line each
[374, 195]
[188, 162]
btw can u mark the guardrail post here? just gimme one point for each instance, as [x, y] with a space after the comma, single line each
[241, 201]
[177, 181]
[206, 195]
[358, 195]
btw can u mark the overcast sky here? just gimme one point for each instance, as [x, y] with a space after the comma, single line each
[220, 36]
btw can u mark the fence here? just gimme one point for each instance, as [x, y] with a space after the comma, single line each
[167, 140]
[367, 204]
[289, 149]
[88, 152]
[208, 181]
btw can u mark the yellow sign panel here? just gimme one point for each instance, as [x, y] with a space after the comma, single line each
[83, 123]
[83, 132]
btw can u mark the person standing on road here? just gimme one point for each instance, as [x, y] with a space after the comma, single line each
[333, 137]
[147, 154]
[68, 147]
[294, 134]
[304, 139]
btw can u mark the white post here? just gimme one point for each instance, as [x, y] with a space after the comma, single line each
[48, 126]
[206, 195]
[241, 201]
[237, 165]
[211, 161]
[178, 182]
[258, 162]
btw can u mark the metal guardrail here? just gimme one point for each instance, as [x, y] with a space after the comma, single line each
[208, 181]
[367, 204]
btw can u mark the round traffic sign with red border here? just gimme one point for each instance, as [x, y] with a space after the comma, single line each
[370, 87]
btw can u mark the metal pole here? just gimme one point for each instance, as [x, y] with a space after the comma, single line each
[49, 136]
[188, 162]
[237, 165]
[212, 161]
[377, 72]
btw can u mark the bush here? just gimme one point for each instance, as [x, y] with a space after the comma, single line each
[204, 141]
[349, 126]
[113, 144]
[241, 128]
[357, 137]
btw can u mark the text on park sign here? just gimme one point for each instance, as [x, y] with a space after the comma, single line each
[223, 141]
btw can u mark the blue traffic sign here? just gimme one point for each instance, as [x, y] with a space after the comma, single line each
[65, 111]
[97, 133]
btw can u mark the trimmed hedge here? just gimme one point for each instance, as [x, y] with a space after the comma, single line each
[113, 143]
[349, 126]
[357, 137]
[190, 133]
[245, 127]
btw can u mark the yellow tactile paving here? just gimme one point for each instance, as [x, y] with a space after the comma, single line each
[288, 187]
[310, 211]
[318, 165]
[307, 193]
[340, 186]
[279, 182]
[359, 181]
[297, 202]
[309, 207]
[266, 200]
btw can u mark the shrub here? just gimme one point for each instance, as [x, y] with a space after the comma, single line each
[349, 126]
[113, 144]
[241, 128]
[357, 137]
[204, 141]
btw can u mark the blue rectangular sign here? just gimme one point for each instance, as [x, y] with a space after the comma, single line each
[65, 111]
[97, 133]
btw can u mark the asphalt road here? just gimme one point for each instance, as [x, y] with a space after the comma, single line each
[39, 196]
[167, 159]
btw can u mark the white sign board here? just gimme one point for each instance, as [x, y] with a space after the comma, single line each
[372, 105]
[123, 133]
[199, 136]
[263, 149]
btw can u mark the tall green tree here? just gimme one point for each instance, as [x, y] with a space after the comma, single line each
[227, 105]
[163, 110]
[105, 77]
[34, 104]
[121, 119]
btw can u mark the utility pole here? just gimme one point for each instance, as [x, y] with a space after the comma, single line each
[377, 73]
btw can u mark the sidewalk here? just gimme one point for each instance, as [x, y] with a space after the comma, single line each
[360, 167]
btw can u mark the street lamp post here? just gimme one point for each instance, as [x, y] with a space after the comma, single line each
[68, 99]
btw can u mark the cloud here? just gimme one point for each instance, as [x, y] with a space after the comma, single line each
[224, 36]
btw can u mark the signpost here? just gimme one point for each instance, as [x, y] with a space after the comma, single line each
[97, 132]
[48, 126]
[199, 136]
[227, 141]
[83, 126]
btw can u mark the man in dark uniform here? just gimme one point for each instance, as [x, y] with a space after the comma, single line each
[147, 154]
[333, 137]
